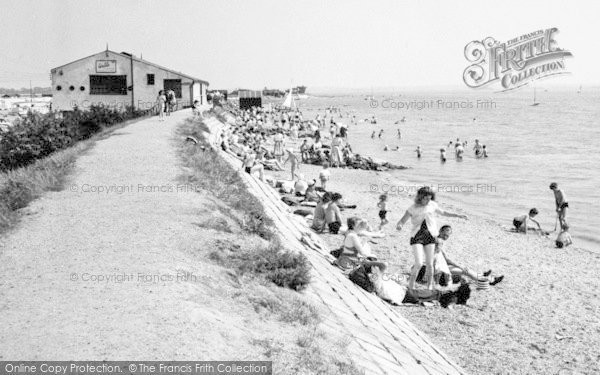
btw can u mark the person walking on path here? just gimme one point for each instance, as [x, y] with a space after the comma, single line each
[171, 101]
[162, 100]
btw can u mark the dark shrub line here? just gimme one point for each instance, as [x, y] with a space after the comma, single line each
[38, 135]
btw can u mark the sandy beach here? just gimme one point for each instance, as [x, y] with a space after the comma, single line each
[543, 318]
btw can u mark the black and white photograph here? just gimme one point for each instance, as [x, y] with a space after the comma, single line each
[277, 187]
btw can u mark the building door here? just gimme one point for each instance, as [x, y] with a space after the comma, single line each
[173, 84]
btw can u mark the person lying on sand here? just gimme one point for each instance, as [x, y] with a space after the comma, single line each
[458, 295]
[445, 268]
[270, 164]
[522, 224]
[370, 276]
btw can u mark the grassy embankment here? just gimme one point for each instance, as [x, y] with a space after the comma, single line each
[263, 273]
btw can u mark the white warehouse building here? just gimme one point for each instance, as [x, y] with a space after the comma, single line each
[120, 80]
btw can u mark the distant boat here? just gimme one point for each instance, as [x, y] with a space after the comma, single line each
[288, 101]
[534, 99]
[300, 90]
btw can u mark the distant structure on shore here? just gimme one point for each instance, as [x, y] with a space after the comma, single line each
[120, 80]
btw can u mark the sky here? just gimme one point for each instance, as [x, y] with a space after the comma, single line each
[279, 43]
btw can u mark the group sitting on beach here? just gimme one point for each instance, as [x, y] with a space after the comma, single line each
[256, 127]
[433, 277]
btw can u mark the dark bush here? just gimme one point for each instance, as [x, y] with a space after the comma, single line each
[282, 267]
[37, 136]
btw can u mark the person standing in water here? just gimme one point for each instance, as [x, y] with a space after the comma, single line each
[162, 100]
[478, 149]
[418, 151]
[443, 155]
[380, 133]
[459, 149]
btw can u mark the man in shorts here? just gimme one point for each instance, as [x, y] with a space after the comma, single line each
[561, 204]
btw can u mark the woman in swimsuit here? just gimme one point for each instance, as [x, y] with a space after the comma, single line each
[425, 229]
[356, 246]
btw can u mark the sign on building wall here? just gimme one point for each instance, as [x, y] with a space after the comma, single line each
[106, 66]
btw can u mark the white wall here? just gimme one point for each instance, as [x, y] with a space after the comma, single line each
[77, 74]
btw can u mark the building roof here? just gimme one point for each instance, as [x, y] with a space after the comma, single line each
[128, 56]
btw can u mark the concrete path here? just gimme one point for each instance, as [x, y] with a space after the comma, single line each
[78, 277]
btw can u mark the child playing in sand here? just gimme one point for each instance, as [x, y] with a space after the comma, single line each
[521, 222]
[564, 238]
[294, 164]
[324, 175]
[382, 204]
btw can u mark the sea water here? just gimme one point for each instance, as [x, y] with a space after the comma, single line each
[528, 146]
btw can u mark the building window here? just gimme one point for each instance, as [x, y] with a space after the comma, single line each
[108, 85]
[150, 78]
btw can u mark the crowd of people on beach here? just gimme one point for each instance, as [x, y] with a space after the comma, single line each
[254, 126]
[265, 139]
